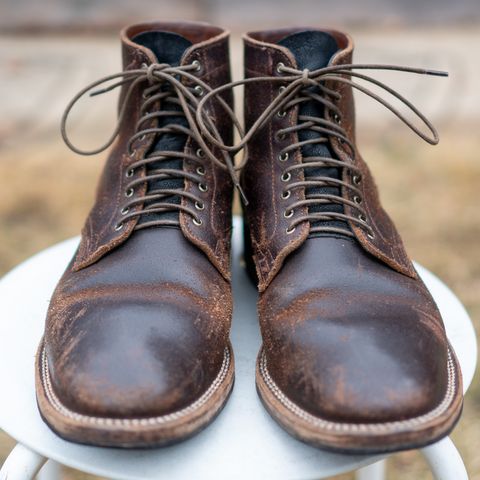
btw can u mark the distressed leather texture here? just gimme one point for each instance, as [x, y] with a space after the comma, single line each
[139, 323]
[350, 332]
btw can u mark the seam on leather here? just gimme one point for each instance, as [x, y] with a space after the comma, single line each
[131, 422]
[383, 427]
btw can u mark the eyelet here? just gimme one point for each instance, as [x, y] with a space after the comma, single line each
[281, 113]
[129, 173]
[283, 157]
[199, 205]
[118, 227]
[282, 89]
[280, 65]
[362, 218]
[286, 194]
[144, 65]
[124, 210]
[357, 179]
[142, 138]
[197, 65]
[202, 187]
[289, 230]
[129, 192]
[280, 137]
[199, 90]
[288, 213]
[357, 199]
[133, 152]
[197, 222]
[286, 177]
[201, 170]
[145, 96]
[371, 236]
[200, 153]
[337, 119]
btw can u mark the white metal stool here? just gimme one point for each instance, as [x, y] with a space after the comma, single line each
[242, 443]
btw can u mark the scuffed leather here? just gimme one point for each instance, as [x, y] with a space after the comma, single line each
[99, 235]
[139, 323]
[351, 340]
[350, 332]
[270, 242]
[141, 332]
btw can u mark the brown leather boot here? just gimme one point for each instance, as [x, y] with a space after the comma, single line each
[355, 356]
[136, 349]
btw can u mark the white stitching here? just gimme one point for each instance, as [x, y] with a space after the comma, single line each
[362, 427]
[135, 422]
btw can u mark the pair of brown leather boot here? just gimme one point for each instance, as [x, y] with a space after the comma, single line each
[136, 349]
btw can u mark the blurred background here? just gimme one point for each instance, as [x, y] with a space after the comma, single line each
[51, 49]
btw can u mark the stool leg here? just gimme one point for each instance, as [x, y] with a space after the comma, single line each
[375, 471]
[50, 471]
[21, 464]
[444, 460]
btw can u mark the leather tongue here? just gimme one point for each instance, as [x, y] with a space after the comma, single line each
[169, 48]
[313, 50]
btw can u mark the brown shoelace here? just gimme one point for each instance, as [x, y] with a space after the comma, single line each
[295, 88]
[154, 77]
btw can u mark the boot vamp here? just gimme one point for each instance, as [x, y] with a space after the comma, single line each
[142, 332]
[349, 339]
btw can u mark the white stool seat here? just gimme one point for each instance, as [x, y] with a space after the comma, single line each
[242, 443]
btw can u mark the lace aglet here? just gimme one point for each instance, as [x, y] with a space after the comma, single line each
[436, 73]
[243, 197]
[98, 92]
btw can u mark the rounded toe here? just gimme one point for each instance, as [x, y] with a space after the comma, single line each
[133, 362]
[369, 370]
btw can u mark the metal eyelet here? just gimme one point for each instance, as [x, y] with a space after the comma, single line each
[281, 113]
[357, 179]
[337, 119]
[200, 153]
[289, 230]
[286, 177]
[199, 90]
[283, 157]
[202, 187]
[201, 170]
[282, 89]
[197, 222]
[124, 210]
[288, 213]
[129, 173]
[357, 199]
[197, 65]
[280, 66]
[362, 218]
[286, 194]
[129, 192]
[371, 236]
[199, 205]
[133, 152]
[119, 226]
[142, 138]
[280, 137]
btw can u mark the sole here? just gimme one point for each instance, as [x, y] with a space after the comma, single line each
[132, 432]
[366, 438]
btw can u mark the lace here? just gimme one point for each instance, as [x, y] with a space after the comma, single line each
[295, 88]
[163, 84]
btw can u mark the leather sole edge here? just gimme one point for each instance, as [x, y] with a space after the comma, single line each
[367, 438]
[149, 432]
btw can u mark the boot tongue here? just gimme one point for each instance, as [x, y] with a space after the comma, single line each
[313, 50]
[169, 48]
